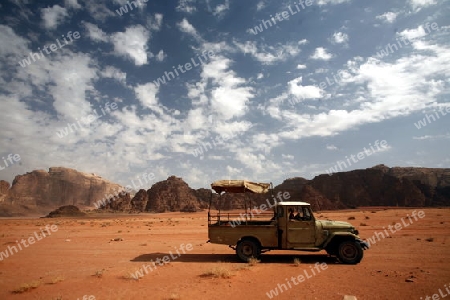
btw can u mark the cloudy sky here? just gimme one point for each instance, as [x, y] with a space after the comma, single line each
[217, 89]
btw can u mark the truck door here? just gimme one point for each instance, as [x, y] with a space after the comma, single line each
[300, 227]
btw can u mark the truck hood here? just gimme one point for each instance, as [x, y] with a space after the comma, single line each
[335, 225]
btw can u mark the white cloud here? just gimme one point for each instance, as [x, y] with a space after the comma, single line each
[67, 77]
[321, 71]
[268, 55]
[222, 8]
[73, 76]
[121, 2]
[230, 102]
[229, 98]
[332, 147]
[112, 72]
[301, 67]
[412, 34]
[197, 119]
[147, 96]
[132, 43]
[322, 54]
[332, 2]
[419, 4]
[388, 17]
[261, 4]
[340, 37]
[155, 23]
[53, 16]
[432, 137]
[98, 10]
[72, 4]
[287, 156]
[303, 42]
[186, 6]
[391, 90]
[161, 55]
[187, 27]
[265, 142]
[302, 91]
[220, 90]
[95, 33]
[16, 45]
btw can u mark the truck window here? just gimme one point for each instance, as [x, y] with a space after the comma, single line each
[306, 213]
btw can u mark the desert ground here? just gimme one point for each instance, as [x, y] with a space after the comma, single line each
[95, 257]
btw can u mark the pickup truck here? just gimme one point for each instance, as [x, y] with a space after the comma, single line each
[288, 225]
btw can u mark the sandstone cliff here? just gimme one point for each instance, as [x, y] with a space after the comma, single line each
[172, 194]
[139, 201]
[383, 186]
[4, 188]
[57, 187]
[377, 186]
[121, 202]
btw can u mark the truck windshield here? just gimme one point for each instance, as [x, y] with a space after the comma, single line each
[300, 213]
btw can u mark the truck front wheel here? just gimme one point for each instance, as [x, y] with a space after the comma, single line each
[247, 249]
[350, 252]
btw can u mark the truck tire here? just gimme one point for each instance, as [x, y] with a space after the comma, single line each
[350, 252]
[247, 249]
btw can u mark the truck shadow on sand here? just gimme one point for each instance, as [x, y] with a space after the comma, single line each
[232, 258]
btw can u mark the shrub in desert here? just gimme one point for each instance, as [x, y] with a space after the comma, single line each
[174, 296]
[351, 218]
[56, 280]
[218, 272]
[99, 273]
[26, 287]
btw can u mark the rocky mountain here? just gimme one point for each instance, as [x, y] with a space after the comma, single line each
[4, 188]
[66, 211]
[384, 186]
[139, 201]
[57, 187]
[172, 194]
[376, 186]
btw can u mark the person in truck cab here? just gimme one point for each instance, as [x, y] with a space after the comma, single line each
[291, 214]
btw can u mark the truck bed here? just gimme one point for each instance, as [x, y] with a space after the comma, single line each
[264, 231]
[244, 223]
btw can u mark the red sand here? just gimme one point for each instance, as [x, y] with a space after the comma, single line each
[79, 259]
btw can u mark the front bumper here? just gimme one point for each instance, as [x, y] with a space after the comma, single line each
[363, 244]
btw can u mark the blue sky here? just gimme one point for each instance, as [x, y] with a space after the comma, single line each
[318, 82]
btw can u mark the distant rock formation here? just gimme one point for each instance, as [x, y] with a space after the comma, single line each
[4, 188]
[121, 202]
[66, 211]
[300, 190]
[139, 201]
[377, 186]
[172, 194]
[57, 187]
[383, 186]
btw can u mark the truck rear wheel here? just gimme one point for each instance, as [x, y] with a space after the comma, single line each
[350, 252]
[247, 249]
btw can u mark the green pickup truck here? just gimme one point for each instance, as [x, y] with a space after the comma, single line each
[281, 225]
